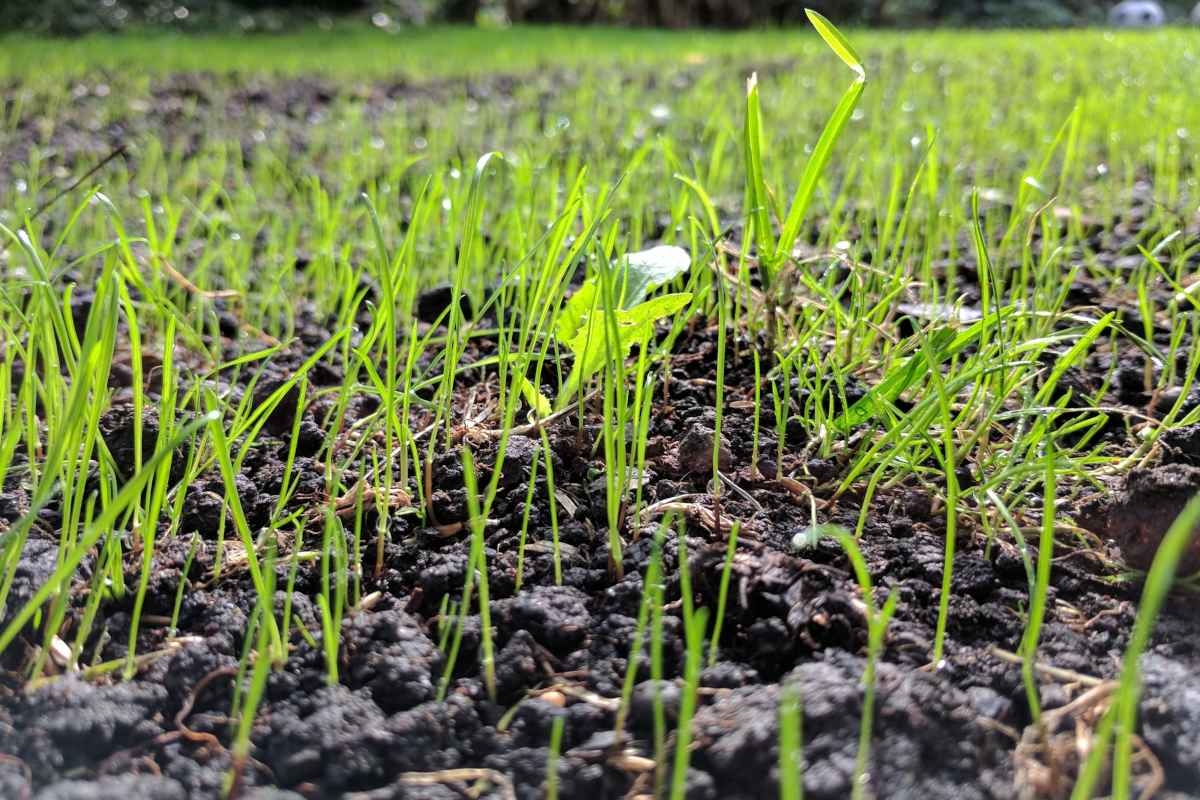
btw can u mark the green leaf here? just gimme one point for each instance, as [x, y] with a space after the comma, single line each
[837, 43]
[634, 325]
[662, 306]
[575, 311]
[646, 270]
[640, 273]
[538, 401]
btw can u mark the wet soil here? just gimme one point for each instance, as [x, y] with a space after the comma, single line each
[953, 729]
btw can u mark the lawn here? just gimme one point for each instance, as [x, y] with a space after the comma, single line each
[561, 413]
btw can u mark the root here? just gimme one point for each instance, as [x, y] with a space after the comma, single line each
[705, 517]
[1051, 752]
[473, 775]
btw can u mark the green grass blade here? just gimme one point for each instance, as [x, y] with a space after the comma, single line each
[837, 42]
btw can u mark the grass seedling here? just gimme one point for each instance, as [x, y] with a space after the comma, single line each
[469, 237]
[1159, 581]
[774, 253]
[478, 564]
[657, 594]
[719, 410]
[193, 548]
[93, 532]
[556, 734]
[782, 402]
[445, 622]
[327, 604]
[652, 578]
[613, 433]
[533, 474]
[694, 627]
[557, 555]
[723, 593]
[877, 624]
[948, 461]
[157, 489]
[791, 750]
[293, 570]
[258, 684]
[1037, 602]
[234, 504]
[95, 596]
[757, 412]
[695, 623]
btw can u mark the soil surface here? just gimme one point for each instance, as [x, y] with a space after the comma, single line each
[960, 728]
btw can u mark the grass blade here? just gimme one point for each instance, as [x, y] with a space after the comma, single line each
[837, 42]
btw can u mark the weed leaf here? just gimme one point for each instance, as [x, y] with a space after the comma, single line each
[575, 311]
[634, 326]
[537, 401]
[646, 270]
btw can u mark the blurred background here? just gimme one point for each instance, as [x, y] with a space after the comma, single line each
[74, 17]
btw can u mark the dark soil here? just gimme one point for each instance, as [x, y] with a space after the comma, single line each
[947, 730]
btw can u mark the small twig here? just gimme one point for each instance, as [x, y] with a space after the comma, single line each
[453, 776]
[1158, 776]
[218, 294]
[42, 208]
[705, 516]
[181, 731]
[740, 492]
[26, 791]
[201, 685]
[538, 424]
[587, 696]
[1046, 669]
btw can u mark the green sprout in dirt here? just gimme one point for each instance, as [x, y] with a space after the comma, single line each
[552, 758]
[600, 324]
[695, 625]
[791, 744]
[617, 300]
[774, 253]
[1039, 599]
[723, 592]
[651, 583]
[878, 620]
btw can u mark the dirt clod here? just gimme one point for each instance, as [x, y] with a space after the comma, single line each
[695, 451]
[1140, 515]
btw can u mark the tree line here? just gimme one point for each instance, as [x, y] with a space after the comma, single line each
[82, 16]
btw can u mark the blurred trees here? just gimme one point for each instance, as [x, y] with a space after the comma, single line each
[893, 13]
[79, 16]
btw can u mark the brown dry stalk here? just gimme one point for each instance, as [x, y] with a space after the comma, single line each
[1051, 750]
[702, 515]
[469, 774]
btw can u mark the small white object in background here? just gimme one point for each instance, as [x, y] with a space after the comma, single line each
[1196, 14]
[1137, 14]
